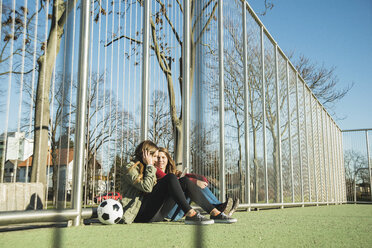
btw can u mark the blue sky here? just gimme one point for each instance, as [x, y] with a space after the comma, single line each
[334, 32]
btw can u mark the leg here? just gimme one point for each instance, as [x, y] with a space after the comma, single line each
[210, 196]
[176, 213]
[193, 191]
[163, 212]
[167, 189]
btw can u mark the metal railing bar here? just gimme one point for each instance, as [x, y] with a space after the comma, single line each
[50, 215]
[356, 130]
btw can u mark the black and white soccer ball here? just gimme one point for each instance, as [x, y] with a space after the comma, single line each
[110, 212]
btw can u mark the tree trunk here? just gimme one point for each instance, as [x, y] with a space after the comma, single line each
[41, 124]
[177, 121]
[46, 64]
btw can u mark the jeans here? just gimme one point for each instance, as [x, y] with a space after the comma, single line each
[176, 213]
[166, 193]
[210, 196]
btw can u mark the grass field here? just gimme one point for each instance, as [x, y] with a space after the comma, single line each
[324, 226]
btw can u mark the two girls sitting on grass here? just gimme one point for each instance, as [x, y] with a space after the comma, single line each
[165, 165]
[148, 200]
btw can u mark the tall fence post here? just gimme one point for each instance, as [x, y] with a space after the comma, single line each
[369, 165]
[324, 156]
[289, 130]
[246, 108]
[81, 111]
[343, 166]
[306, 140]
[339, 166]
[222, 100]
[279, 142]
[263, 99]
[339, 171]
[332, 161]
[145, 69]
[312, 141]
[328, 160]
[335, 181]
[299, 139]
[186, 87]
[319, 157]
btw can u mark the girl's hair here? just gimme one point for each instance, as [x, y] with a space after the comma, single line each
[171, 165]
[146, 145]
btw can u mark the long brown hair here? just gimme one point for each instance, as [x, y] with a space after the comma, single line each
[146, 145]
[171, 165]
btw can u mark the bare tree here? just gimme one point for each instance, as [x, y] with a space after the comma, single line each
[46, 62]
[355, 164]
[160, 128]
[267, 5]
[16, 50]
[17, 26]
[322, 81]
[63, 110]
[111, 130]
[234, 98]
[104, 122]
[201, 16]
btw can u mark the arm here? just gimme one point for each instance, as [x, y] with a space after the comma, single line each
[199, 180]
[148, 180]
[194, 177]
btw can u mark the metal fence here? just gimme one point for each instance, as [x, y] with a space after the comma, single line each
[84, 82]
[358, 164]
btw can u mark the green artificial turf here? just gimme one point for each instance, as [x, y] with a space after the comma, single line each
[323, 226]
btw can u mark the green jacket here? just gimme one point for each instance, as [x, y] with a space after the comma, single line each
[133, 192]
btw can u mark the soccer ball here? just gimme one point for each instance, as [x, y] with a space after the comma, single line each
[110, 212]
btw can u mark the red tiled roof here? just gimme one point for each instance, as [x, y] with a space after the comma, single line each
[27, 162]
[61, 158]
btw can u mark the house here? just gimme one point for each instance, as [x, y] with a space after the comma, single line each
[15, 146]
[363, 191]
[63, 159]
[12, 175]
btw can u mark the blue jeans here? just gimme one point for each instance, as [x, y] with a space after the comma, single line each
[176, 213]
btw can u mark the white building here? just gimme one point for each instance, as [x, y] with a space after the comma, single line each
[20, 171]
[15, 146]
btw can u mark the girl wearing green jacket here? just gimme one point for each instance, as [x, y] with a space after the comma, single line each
[146, 200]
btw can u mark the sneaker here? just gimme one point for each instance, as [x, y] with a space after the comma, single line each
[234, 207]
[226, 206]
[223, 218]
[198, 219]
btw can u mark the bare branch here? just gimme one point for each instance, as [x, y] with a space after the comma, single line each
[179, 4]
[126, 37]
[201, 14]
[15, 72]
[164, 11]
[207, 24]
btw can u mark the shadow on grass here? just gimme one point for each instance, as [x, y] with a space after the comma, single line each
[198, 236]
